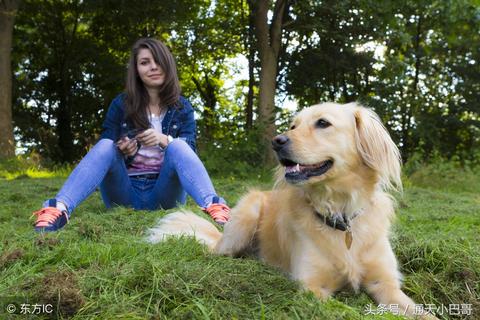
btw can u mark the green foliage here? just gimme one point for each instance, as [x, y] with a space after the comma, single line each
[236, 155]
[70, 58]
[328, 37]
[415, 62]
[60, 92]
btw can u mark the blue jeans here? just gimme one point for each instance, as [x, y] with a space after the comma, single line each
[182, 172]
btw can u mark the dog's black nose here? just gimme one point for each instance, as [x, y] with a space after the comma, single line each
[279, 142]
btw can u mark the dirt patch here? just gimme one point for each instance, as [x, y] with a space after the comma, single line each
[61, 290]
[10, 257]
[466, 275]
[47, 242]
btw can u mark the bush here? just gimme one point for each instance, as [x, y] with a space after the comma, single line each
[440, 173]
[240, 156]
[31, 165]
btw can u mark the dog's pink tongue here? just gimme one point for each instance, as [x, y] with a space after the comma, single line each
[298, 167]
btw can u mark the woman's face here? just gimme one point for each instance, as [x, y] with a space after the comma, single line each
[149, 71]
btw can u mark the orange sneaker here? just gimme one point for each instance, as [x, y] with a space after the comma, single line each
[50, 218]
[219, 212]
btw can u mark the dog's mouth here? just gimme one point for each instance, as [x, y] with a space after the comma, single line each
[295, 172]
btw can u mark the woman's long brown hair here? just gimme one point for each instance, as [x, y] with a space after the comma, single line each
[137, 99]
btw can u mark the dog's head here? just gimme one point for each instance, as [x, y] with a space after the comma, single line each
[331, 142]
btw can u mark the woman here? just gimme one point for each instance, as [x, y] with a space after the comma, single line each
[145, 157]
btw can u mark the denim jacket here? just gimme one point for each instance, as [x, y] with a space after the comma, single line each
[178, 122]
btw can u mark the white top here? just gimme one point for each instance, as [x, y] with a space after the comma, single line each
[149, 160]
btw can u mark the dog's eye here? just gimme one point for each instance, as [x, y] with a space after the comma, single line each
[322, 123]
[292, 127]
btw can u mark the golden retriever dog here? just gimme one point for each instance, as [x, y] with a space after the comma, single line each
[327, 220]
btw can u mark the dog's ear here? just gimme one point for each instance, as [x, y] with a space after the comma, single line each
[376, 147]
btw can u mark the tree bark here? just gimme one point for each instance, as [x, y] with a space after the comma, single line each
[251, 74]
[8, 9]
[65, 84]
[269, 41]
[209, 97]
[407, 146]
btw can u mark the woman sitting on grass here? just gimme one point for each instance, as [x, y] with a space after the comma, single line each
[145, 157]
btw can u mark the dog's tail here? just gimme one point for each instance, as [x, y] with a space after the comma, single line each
[185, 223]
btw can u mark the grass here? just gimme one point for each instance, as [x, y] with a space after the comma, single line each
[100, 267]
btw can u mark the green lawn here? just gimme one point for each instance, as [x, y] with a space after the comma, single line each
[100, 267]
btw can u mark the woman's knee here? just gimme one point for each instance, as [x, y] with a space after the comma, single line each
[177, 146]
[106, 145]
[105, 148]
[105, 142]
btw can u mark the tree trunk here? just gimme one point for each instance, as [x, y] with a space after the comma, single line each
[268, 84]
[408, 144]
[8, 10]
[209, 97]
[65, 107]
[269, 40]
[251, 74]
[64, 128]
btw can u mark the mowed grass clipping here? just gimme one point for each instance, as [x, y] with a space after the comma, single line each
[100, 267]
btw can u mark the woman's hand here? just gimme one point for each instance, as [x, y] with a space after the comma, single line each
[127, 146]
[152, 137]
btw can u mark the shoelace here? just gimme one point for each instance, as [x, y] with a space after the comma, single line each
[218, 211]
[48, 216]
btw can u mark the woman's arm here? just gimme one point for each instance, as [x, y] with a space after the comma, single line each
[188, 126]
[111, 126]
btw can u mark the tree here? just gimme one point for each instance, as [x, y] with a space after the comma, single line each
[8, 9]
[269, 45]
[203, 47]
[55, 78]
[249, 48]
[70, 59]
[69, 62]
[416, 63]
[326, 63]
[430, 78]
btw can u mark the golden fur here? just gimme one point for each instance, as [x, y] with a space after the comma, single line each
[281, 226]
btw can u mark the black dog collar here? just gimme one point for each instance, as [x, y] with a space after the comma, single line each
[340, 222]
